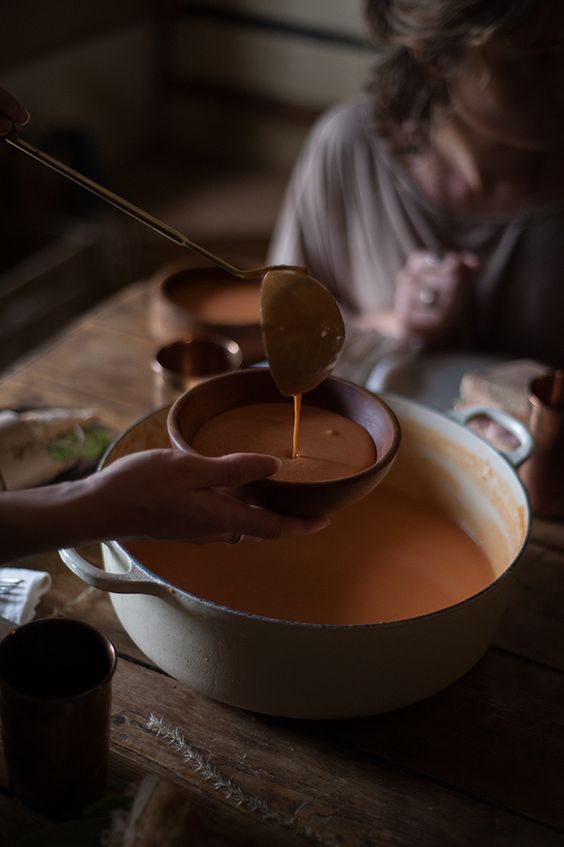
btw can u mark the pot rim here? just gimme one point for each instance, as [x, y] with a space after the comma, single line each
[305, 625]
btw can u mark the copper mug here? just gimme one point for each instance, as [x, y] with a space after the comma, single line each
[182, 364]
[55, 708]
[543, 473]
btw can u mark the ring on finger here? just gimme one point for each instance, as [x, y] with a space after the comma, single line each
[236, 538]
[434, 259]
[429, 296]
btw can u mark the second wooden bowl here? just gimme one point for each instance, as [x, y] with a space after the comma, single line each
[191, 300]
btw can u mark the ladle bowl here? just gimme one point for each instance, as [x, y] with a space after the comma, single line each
[256, 385]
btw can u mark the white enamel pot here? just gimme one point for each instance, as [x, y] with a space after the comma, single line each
[330, 671]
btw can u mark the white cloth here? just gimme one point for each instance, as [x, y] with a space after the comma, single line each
[19, 602]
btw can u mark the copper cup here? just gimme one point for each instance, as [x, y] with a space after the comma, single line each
[543, 473]
[182, 364]
[55, 707]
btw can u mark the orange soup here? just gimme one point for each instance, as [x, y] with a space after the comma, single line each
[330, 445]
[219, 302]
[388, 557]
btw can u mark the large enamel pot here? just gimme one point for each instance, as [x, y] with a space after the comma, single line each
[330, 671]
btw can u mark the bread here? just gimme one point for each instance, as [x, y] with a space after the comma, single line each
[504, 386]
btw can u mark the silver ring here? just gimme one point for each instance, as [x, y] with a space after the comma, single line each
[429, 296]
[434, 259]
[236, 538]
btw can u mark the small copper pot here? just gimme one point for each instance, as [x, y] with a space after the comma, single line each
[183, 364]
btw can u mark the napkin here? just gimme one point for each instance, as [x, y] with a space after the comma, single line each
[18, 601]
[37, 446]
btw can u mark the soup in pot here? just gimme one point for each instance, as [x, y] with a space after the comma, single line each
[387, 557]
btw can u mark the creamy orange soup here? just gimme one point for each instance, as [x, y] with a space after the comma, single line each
[330, 445]
[387, 557]
[219, 302]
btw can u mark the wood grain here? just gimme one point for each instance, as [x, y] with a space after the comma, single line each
[304, 778]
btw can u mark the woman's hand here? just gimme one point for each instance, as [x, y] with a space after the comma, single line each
[169, 494]
[164, 494]
[11, 112]
[430, 293]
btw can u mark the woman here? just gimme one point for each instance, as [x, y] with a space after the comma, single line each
[154, 494]
[434, 207]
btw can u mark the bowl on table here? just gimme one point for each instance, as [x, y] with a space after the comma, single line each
[303, 496]
[191, 301]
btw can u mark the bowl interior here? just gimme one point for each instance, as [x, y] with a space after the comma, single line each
[247, 387]
[213, 297]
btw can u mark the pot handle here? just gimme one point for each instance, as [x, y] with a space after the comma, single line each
[122, 583]
[526, 441]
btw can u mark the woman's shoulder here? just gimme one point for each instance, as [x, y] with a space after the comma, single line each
[343, 127]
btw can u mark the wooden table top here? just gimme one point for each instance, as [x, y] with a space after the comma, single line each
[481, 763]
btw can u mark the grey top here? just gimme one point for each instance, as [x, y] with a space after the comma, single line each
[352, 214]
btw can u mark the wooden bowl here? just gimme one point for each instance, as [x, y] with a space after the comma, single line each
[191, 300]
[219, 394]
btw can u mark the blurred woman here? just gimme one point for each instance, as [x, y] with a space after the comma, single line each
[433, 207]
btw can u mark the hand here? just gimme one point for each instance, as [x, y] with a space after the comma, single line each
[11, 112]
[168, 494]
[430, 293]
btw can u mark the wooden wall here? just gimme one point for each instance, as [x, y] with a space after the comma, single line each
[246, 78]
[86, 72]
[236, 80]
[83, 65]
[194, 110]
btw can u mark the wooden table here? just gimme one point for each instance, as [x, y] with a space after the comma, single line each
[480, 764]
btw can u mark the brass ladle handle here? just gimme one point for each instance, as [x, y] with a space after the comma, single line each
[127, 207]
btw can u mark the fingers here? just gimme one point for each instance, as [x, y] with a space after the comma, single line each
[230, 471]
[430, 290]
[169, 494]
[223, 515]
[469, 260]
[255, 524]
[11, 112]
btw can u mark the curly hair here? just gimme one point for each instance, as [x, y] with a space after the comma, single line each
[442, 31]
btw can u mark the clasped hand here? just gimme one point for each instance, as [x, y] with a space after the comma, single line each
[430, 294]
[431, 291]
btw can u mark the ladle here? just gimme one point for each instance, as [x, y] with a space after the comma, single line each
[127, 207]
[301, 324]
